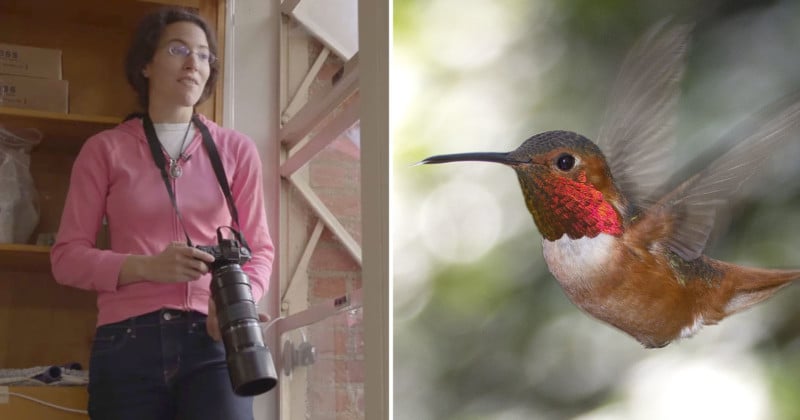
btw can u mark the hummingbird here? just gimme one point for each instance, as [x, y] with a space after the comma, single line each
[625, 245]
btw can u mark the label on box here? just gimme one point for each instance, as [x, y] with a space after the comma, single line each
[27, 61]
[32, 93]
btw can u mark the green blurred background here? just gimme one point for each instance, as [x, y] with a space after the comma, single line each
[481, 329]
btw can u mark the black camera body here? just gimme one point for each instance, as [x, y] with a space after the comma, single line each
[228, 251]
[250, 364]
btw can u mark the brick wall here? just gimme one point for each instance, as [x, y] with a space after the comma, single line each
[334, 384]
[336, 380]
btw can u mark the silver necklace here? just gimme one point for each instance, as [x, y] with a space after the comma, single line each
[175, 170]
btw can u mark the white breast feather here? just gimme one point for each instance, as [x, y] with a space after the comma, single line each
[574, 262]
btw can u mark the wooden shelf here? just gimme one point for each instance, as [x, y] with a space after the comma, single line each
[76, 118]
[25, 258]
[60, 131]
[75, 397]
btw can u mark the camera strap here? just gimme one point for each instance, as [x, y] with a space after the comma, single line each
[216, 162]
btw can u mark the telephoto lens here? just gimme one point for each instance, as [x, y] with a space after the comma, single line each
[250, 364]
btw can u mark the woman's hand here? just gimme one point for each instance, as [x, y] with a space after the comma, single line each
[177, 263]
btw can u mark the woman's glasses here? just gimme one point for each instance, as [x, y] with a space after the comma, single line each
[180, 50]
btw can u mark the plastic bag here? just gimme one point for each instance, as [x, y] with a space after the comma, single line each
[19, 209]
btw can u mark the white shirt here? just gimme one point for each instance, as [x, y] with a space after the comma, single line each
[171, 136]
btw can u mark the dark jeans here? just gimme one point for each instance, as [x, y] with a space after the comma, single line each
[161, 366]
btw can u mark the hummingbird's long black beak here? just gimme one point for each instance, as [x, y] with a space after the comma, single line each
[503, 158]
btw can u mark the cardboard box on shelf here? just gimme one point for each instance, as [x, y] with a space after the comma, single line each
[28, 61]
[32, 93]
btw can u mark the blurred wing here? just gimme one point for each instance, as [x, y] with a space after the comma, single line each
[687, 214]
[637, 136]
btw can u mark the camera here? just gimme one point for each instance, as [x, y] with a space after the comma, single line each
[250, 364]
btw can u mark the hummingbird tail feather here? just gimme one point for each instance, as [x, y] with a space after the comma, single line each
[755, 285]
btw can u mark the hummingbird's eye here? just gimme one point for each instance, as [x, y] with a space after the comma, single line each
[565, 162]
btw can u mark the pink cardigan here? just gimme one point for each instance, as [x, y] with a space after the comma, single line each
[114, 175]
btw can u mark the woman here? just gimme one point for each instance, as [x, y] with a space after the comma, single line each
[156, 353]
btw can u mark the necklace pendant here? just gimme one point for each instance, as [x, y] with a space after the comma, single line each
[175, 170]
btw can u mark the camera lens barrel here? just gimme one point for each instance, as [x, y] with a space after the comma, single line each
[250, 364]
